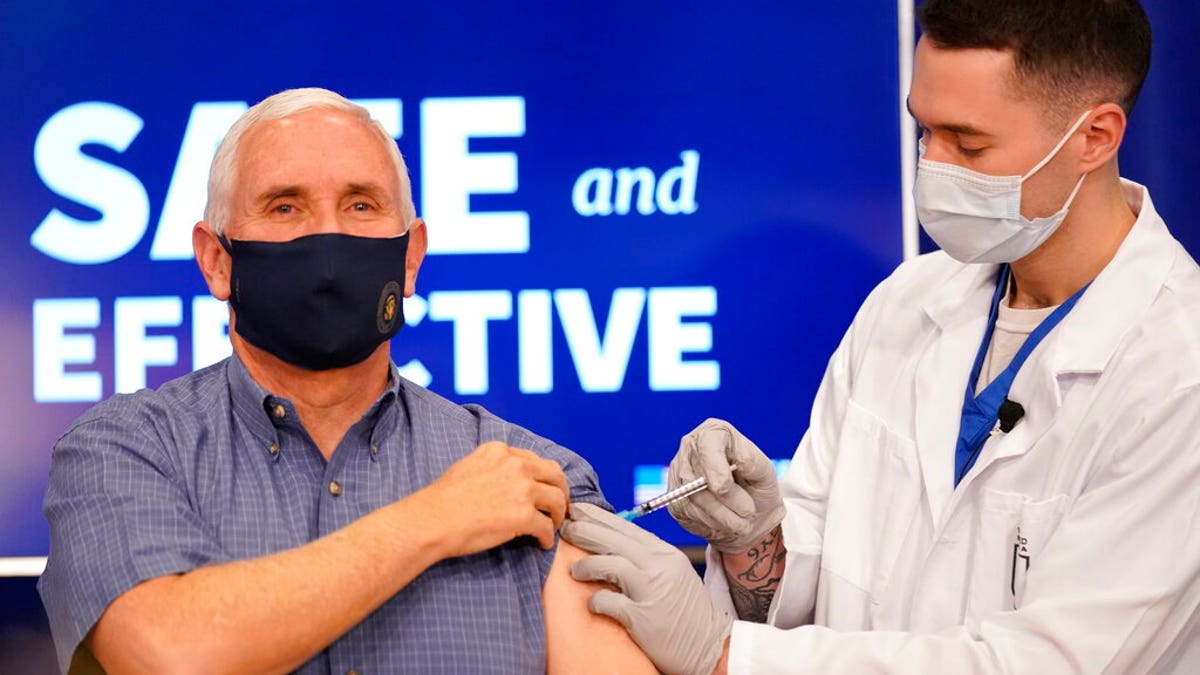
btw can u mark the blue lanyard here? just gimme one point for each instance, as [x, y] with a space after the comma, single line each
[979, 413]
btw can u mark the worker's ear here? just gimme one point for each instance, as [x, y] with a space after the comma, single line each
[215, 263]
[418, 243]
[1103, 134]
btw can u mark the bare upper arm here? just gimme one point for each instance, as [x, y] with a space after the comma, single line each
[578, 641]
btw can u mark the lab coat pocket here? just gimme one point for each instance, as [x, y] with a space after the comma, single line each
[878, 480]
[1011, 531]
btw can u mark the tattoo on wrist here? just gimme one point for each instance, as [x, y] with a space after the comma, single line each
[753, 588]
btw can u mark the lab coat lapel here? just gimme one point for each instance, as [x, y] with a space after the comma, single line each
[1122, 292]
[959, 317]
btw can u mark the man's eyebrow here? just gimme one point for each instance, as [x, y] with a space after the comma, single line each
[961, 129]
[369, 188]
[277, 191]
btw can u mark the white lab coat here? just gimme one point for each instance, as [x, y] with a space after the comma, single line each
[1072, 546]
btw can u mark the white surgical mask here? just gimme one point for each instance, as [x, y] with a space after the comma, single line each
[976, 218]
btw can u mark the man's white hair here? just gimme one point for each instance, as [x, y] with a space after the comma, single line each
[223, 172]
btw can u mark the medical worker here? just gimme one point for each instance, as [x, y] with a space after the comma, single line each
[1002, 468]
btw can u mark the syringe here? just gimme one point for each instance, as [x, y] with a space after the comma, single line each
[667, 498]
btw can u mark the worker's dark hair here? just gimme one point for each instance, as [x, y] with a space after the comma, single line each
[1067, 53]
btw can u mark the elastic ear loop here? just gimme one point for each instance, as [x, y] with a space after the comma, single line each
[1079, 183]
[1061, 142]
[1074, 192]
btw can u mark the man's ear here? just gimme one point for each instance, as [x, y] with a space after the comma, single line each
[1103, 135]
[215, 264]
[418, 243]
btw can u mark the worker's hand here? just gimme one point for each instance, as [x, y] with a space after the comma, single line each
[661, 601]
[493, 495]
[739, 506]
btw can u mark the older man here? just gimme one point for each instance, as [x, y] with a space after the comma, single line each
[300, 505]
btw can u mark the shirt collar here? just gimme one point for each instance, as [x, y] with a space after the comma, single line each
[254, 406]
[248, 400]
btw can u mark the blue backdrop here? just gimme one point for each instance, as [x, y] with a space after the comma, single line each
[691, 203]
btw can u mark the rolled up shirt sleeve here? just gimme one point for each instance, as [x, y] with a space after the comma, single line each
[582, 482]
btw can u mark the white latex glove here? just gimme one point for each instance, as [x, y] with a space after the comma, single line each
[662, 602]
[740, 505]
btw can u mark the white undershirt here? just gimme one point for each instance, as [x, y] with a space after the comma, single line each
[1012, 327]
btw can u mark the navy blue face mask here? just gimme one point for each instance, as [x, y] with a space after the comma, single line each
[321, 301]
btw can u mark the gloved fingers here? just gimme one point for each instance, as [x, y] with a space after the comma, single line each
[613, 605]
[754, 468]
[595, 529]
[585, 512]
[736, 499]
[680, 470]
[711, 460]
[712, 447]
[612, 569]
[689, 512]
[712, 511]
[708, 460]
[627, 528]
[591, 536]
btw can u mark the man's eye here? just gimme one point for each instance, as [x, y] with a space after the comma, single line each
[284, 208]
[361, 206]
[970, 152]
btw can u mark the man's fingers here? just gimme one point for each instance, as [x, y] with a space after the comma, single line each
[514, 492]
[548, 471]
[550, 509]
[551, 502]
[543, 530]
[543, 470]
[613, 605]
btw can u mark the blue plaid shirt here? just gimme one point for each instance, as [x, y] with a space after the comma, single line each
[211, 468]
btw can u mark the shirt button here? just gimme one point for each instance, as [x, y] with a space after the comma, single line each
[374, 449]
[335, 488]
[352, 672]
[279, 411]
[273, 449]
